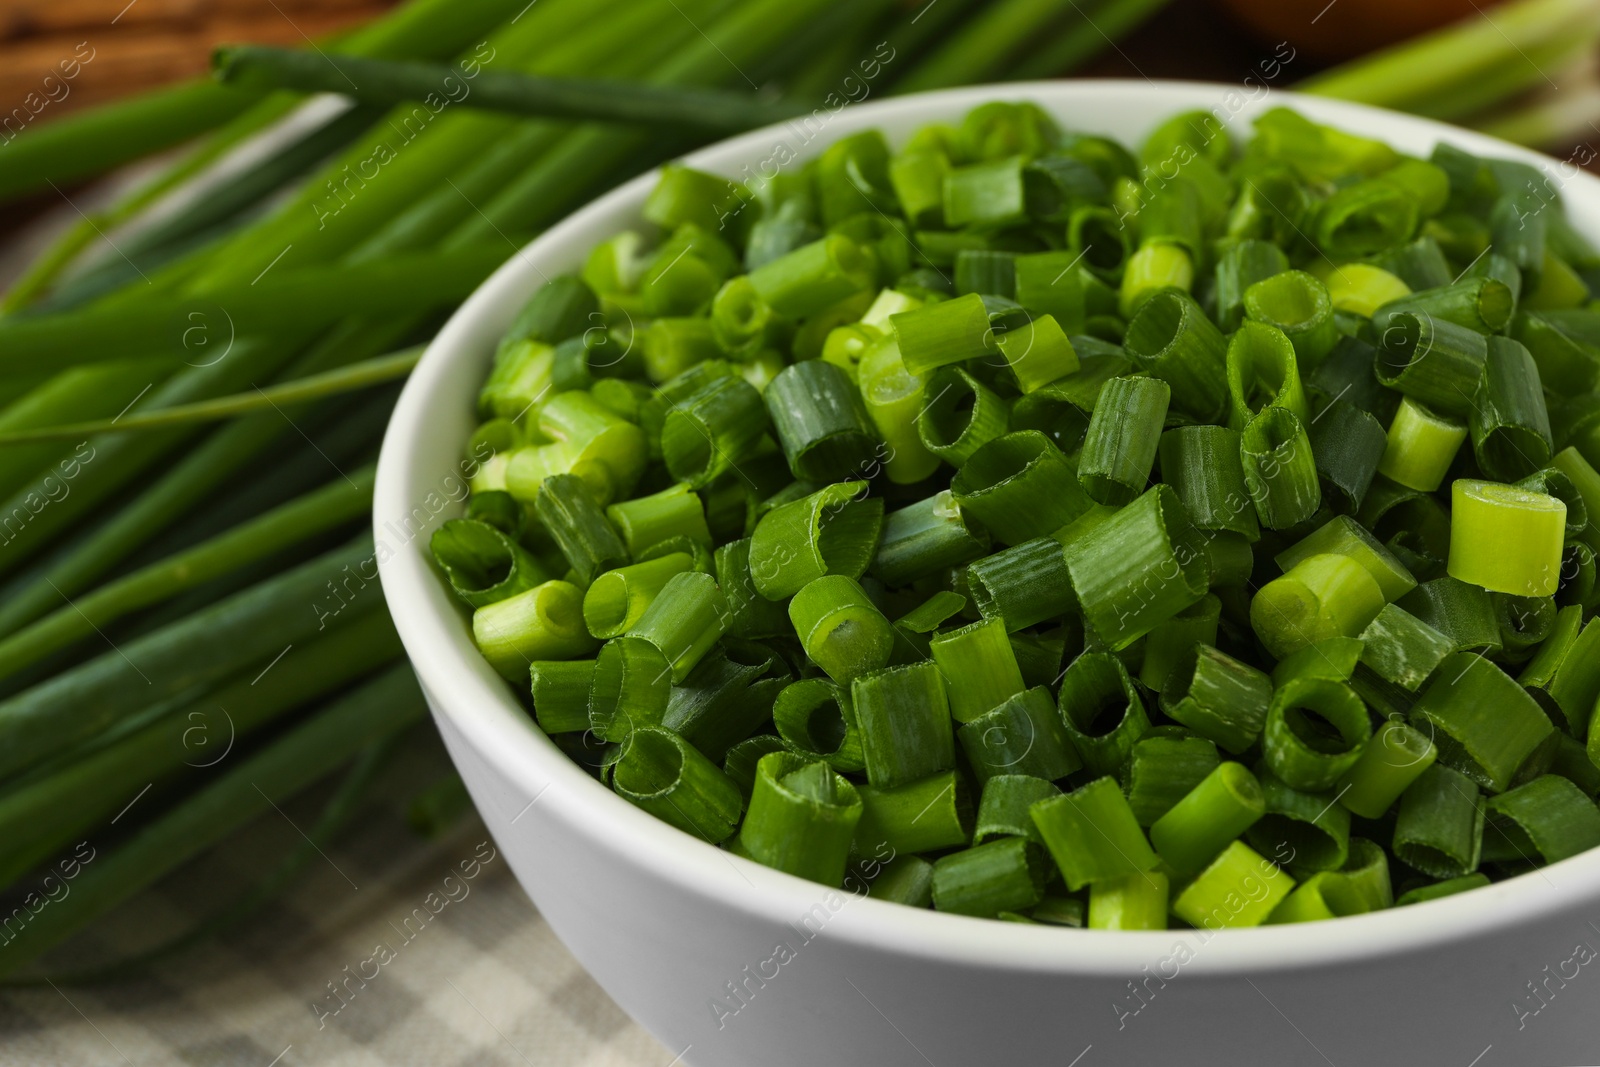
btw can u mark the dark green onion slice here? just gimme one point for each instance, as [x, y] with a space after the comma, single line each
[1545, 821]
[1119, 449]
[561, 694]
[1170, 338]
[1023, 585]
[980, 671]
[1003, 808]
[1004, 875]
[821, 423]
[1203, 466]
[927, 815]
[1435, 363]
[961, 416]
[482, 563]
[1348, 445]
[749, 613]
[1484, 724]
[1509, 421]
[1103, 712]
[728, 696]
[1402, 649]
[1439, 829]
[1241, 266]
[1023, 735]
[1315, 732]
[707, 431]
[1262, 372]
[1019, 486]
[1280, 470]
[1166, 646]
[1092, 835]
[1307, 831]
[801, 819]
[905, 723]
[581, 530]
[1299, 305]
[815, 717]
[831, 531]
[666, 776]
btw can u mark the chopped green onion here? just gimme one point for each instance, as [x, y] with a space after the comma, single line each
[1509, 422]
[1280, 470]
[1103, 712]
[1262, 372]
[950, 331]
[927, 815]
[925, 538]
[1241, 266]
[617, 599]
[1433, 362]
[1092, 835]
[663, 774]
[1151, 272]
[905, 880]
[894, 397]
[545, 622]
[1019, 486]
[1308, 831]
[1402, 649]
[1023, 735]
[1023, 585]
[561, 694]
[706, 431]
[749, 612]
[1003, 808]
[1484, 724]
[1483, 305]
[980, 671]
[586, 538]
[728, 696]
[1347, 444]
[1439, 828]
[1505, 539]
[1321, 596]
[1549, 818]
[647, 521]
[1463, 613]
[1165, 765]
[1225, 804]
[840, 628]
[813, 276]
[1132, 902]
[1316, 730]
[684, 621]
[1170, 338]
[820, 421]
[482, 563]
[1420, 447]
[831, 531]
[1238, 889]
[801, 819]
[1138, 568]
[1203, 466]
[1389, 763]
[1119, 449]
[1004, 875]
[961, 416]
[904, 718]
[1345, 537]
[815, 717]
[1038, 352]
[1299, 305]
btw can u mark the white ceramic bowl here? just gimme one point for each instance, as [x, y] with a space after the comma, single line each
[731, 964]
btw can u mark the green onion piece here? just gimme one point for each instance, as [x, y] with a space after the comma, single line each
[815, 717]
[918, 181]
[1308, 831]
[673, 345]
[1119, 449]
[1004, 875]
[1420, 263]
[1280, 470]
[1420, 447]
[1438, 890]
[743, 323]
[1367, 873]
[1170, 338]
[1485, 725]
[482, 563]
[561, 694]
[1164, 766]
[629, 688]
[1231, 559]
[545, 622]
[1262, 372]
[961, 416]
[1241, 266]
[821, 422]
[521, 378]
[1019, 486]
[950, 331]
[1433, 362]
[840, 628]
[706, 431]
[684, 621]
[740, 762]
[832, 531]
[1364, 218]
[1138, 568]
[813, 276]
[894, 397]
[1361, 288]
[1003, 808]
[1166, 646]
[1510, 423]
[1347, 444]
[1463, 613]
[904, 718]
[1316, 730]
[1133, 902]
[1402, 649]
[1151, 272]
[727, 697]
[1506, 539]
[1325, 895]
[1092, 835]
[1238, 889]
[1203, 466]
[1023, 585]
[1038, 352]
[905, 880]
[586, 538]
[802, 818]
[1299, 305]
[1548, 819]
[928, 815]
[985, 194]
[1483, 305]
[1225, 804]
[1049, 285]
[1103, 713]
[986, 272]
[1524, 622]
[646, 521]
[1333, 659]
[1023, 735]
[617, 599]
[1552, 481]
[1388, 765]
[1568, 671]
[979, 668]
[666, 776]
[1322, 596]
[1345, 537]
[925, 538]
[749, 613]
[1562, 347]
[1439, 828]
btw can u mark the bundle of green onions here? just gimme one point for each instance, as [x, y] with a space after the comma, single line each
[1043, 531]
[191, 632]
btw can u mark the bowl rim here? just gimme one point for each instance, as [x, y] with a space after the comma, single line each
[473, 699]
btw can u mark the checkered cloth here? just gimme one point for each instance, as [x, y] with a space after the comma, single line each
[471, 975]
